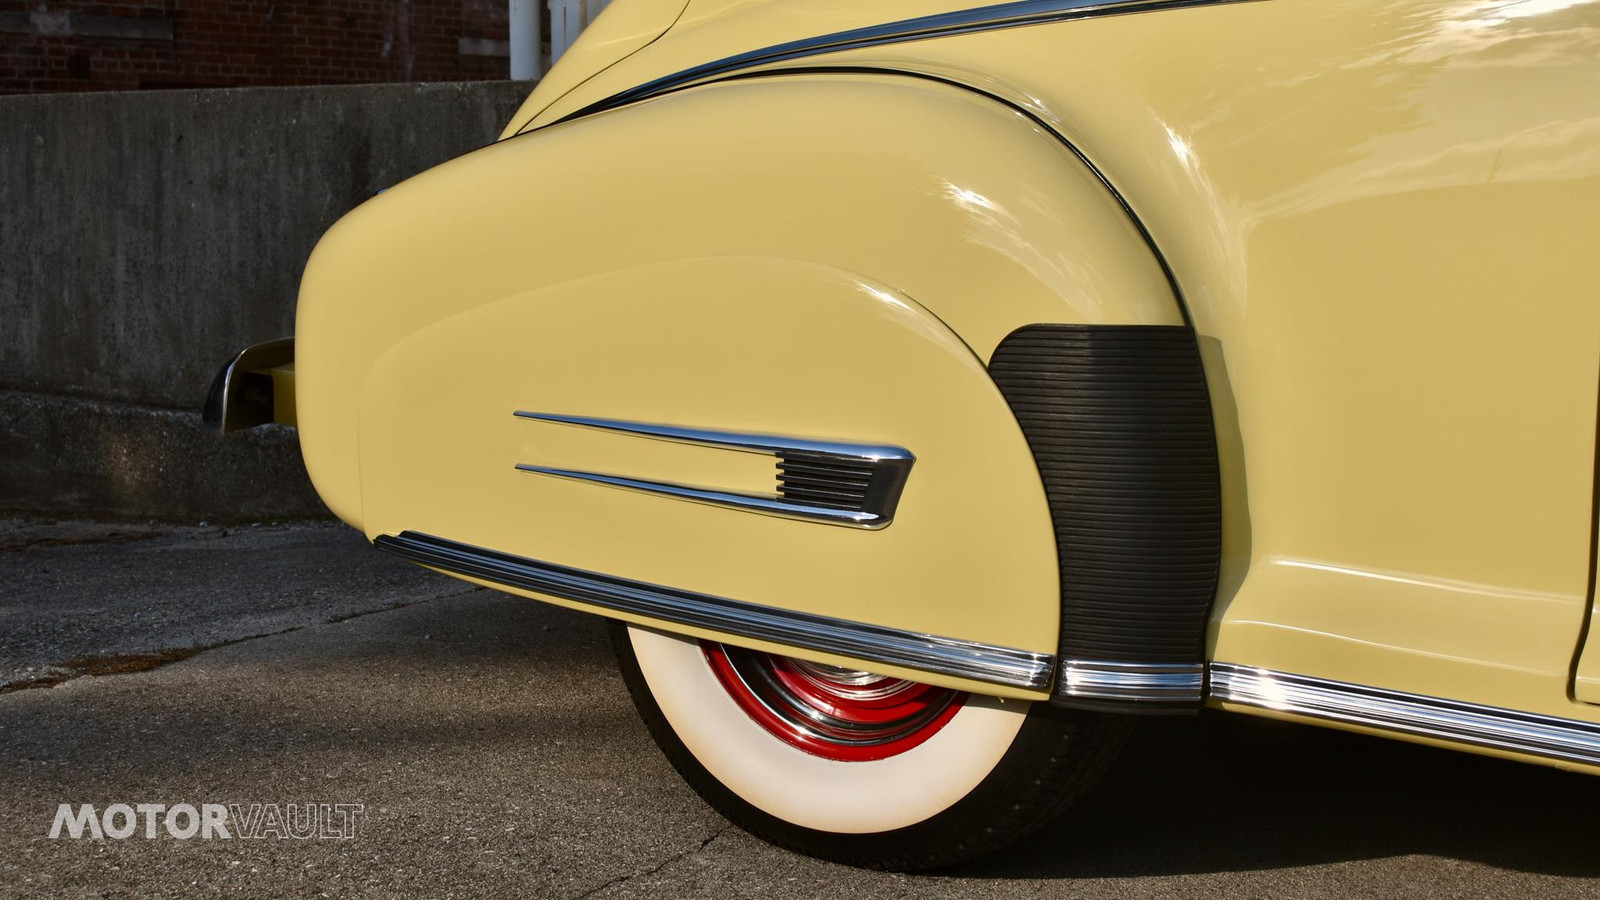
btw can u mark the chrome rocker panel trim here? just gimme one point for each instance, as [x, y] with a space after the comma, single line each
[985, 663]
[890, 467]
[965, 21]
[1153, 683]
[1492, 727]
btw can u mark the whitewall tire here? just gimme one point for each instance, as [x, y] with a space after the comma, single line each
[854, 767]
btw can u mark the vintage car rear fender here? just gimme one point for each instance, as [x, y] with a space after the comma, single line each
[824, 257]
[748, 346]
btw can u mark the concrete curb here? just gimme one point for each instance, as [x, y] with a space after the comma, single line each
[76, 457]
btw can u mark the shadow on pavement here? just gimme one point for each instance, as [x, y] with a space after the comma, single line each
[1225, 792]
[483, 698]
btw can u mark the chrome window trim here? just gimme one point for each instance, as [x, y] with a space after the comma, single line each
[1094, 679]
[890, 466]
[963, 21]
[1551, 737]
[985, 663]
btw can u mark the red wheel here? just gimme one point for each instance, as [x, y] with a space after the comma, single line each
[834, 713]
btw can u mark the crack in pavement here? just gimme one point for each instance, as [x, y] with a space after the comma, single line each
[623, 879]
[128, 663]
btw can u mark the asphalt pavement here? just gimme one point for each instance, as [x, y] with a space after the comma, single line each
[492, 751]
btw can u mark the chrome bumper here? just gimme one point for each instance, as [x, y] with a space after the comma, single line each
[254, 388]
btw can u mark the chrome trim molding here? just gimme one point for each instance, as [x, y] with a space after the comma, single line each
[1493, 727]
[965, 21]
[874, 643]
[884, 468]
[753, 502]
[731, 440]
[1095, 679]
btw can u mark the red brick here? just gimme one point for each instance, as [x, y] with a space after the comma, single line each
[219, 43]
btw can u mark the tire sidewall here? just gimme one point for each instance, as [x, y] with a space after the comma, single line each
[807, 790]
[1055, 756]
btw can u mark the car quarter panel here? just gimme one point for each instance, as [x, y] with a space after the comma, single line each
[759, 345]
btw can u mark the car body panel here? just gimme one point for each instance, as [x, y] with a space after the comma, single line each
[1586, 670]
[734, 342]
[623, 28]
[1379, 214]
[926, 221]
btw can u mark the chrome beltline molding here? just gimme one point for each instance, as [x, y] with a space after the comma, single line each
[984, 663]
[964, 21]
[1092, 679]
[889, 465]
[1413, 714]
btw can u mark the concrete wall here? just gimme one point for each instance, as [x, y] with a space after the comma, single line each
[144, 238]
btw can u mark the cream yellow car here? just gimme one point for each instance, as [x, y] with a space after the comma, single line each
[925, 388]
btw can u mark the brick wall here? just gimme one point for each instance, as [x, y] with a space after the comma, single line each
[147, 44]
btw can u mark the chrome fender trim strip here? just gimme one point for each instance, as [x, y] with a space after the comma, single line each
[985, 663]
[964, 21]
[772, 506]
[833, 482]
[731, 440]
[1493, 727]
